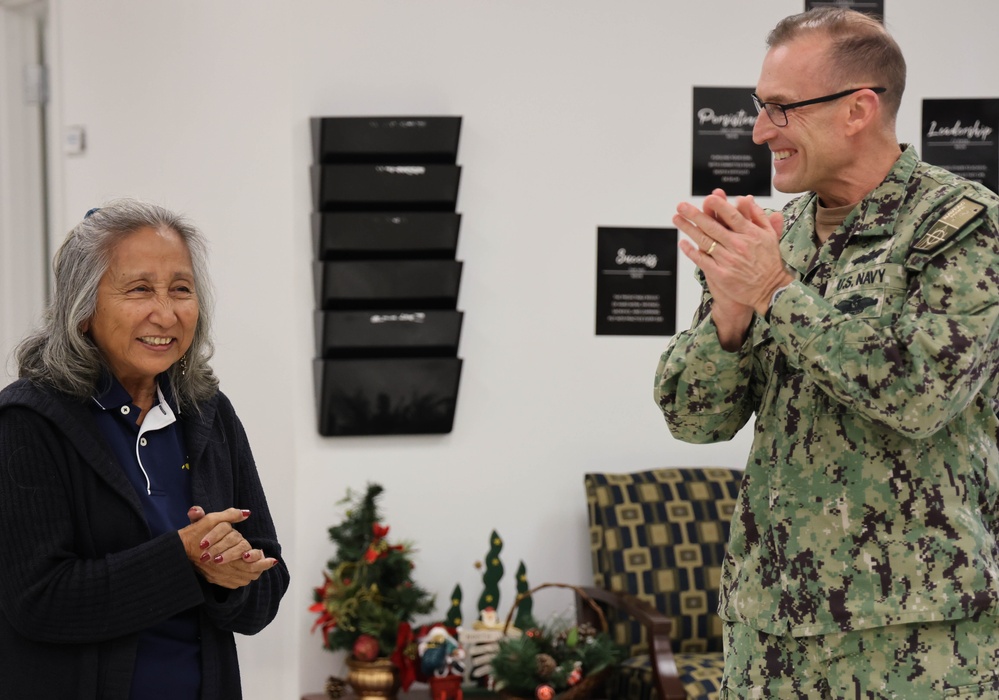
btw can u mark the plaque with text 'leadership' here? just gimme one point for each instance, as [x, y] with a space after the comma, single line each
[636, 281]
[724, 153]
[874, 8]
[961, 135]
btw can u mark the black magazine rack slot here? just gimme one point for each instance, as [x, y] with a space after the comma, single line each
[356, 235]
[387, 396]
[389, 333]
[385, 187]
[385, 139]
[382, 284]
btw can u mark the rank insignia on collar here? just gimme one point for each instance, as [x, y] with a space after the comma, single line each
[953, 220]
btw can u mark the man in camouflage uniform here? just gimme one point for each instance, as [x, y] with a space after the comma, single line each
[865, 338]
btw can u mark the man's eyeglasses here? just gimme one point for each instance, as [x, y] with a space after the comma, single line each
[778, 112]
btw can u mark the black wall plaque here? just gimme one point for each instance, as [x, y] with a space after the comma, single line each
[874, 8]
[724, 153]
[636, 281]
[962, 135]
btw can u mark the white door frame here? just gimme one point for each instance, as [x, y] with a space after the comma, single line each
[24, 206]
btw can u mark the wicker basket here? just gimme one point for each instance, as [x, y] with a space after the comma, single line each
[589, 684]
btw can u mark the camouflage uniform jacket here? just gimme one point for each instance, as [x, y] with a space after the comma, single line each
[872, 491]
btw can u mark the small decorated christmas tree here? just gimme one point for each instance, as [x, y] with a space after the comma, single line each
[368, 593]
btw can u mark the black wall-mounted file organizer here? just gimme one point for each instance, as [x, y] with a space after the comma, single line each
[385, 235]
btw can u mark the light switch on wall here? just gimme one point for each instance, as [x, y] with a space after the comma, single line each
[74, 140]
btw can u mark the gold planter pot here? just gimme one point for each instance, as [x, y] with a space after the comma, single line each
[373, 680]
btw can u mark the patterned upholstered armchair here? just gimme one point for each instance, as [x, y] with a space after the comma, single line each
[658, 539]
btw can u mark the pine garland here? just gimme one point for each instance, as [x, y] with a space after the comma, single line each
[557, 657]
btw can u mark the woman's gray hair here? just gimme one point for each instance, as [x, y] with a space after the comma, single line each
[61, 355]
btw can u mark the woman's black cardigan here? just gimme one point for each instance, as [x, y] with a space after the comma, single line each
[80, 574]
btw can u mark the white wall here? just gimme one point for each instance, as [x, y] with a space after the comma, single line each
[576, 115]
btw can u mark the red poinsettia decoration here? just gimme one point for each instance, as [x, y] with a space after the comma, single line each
[326, 621]
[379, 547]
[404, 655]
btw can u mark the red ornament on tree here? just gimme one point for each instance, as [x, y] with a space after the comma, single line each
[544, 692]
[366, 648]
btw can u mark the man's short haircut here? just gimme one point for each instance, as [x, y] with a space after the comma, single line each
[863, 53]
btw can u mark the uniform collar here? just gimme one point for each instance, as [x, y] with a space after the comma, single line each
[879, 208]
[869, 218]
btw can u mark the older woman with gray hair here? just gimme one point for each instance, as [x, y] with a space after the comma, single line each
[135, 537]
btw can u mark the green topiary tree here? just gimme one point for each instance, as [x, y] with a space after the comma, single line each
[525, 618]
[453, 617]
[491, 576]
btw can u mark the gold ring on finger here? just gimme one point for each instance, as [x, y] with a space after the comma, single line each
[711, 248]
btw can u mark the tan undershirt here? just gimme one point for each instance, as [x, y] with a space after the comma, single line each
[829, 219]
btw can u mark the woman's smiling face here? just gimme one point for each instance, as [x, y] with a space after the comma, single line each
[147, 307]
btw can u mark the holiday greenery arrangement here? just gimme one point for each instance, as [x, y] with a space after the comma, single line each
[368, 597]
[548, 660]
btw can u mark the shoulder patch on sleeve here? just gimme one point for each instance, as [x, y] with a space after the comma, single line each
[953, 220]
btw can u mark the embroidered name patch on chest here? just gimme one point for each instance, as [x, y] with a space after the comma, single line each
[877, 277]
[953, 220]
[863, 291]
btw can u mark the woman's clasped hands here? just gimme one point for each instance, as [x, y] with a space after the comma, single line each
[219, 552]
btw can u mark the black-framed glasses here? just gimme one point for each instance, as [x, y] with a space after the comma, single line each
[778, 112]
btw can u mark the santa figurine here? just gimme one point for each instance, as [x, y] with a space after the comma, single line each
[488, 620]
[440, 653]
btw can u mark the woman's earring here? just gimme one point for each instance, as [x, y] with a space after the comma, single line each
[183, 364]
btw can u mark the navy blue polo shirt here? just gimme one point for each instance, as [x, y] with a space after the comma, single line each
[168, 662]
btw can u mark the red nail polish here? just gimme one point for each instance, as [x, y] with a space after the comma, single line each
[246, 555]
[205, 544]
[206, 556]
[218, 559]
[246, 513]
